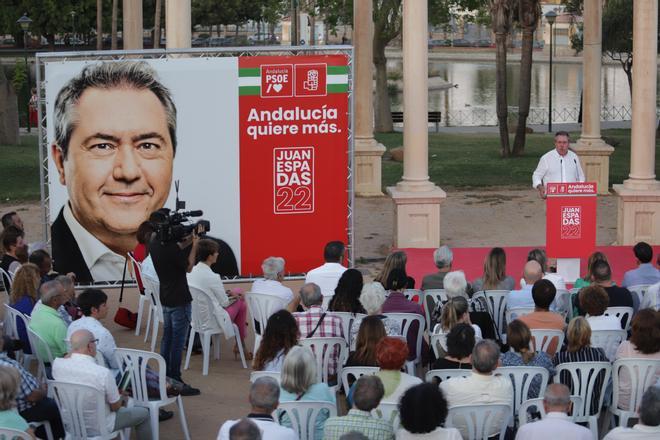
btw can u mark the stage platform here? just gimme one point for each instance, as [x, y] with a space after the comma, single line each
[471, 261]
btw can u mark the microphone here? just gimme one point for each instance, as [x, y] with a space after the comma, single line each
[561, 168]
[577, 175]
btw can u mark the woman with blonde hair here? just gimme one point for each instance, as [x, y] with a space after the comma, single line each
[10, 381]
[395, 260]
[299, 383]
[24, 295]
[495, 277]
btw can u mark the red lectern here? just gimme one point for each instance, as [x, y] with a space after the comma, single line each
[570, 219]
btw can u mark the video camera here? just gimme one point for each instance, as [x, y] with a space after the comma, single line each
[175, 225]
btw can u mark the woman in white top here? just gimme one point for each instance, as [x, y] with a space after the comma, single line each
[423, 410]
[392, 354]
[594, 300]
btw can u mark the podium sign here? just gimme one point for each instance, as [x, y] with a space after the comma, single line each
[570, 219]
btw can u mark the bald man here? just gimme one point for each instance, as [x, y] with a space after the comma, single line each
[523, 297]
[81, 367]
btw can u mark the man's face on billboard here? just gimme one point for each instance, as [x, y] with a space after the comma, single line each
[118, 167]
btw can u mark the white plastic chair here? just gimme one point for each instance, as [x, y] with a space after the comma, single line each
[144, 300]
[42, 352]
[496, 301]
[405, 321]
[261, 306]
[5, 276]
[521, 379]
[538, 403]
[447, 373]
[356, 373]
[347, 320]
[431, 299]
[410, 295]
[623, 313]
[479, 422]
[152, 288]
[12, 316]
[639, 290]
[542, 338]
[73, 401]
[136, 362]
[257, 374]
[14, 434]
[324, 349]
[303, 416]
[517, 312]
[608, 340]
[562, 303]
[438, 341]
[642, 373]
[583, 377]
[388, 412]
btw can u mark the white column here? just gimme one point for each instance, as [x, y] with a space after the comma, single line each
[178, 24]
[368, 152]
[132, 24]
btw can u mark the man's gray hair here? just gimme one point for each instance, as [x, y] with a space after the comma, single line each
[372, 297]
[485, 356]
[455, 284]
[443, 257]
[244, 429]
[265, 393]
[65, 281]
[369, 390]
[649, 410]
[310, 295]
[106, 75]
[50, 291]
[557, 395]
[272, 267]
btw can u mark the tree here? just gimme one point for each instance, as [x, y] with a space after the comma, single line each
[99, 24]
[617, 34]
[113, 31]
[501, 12]
[157, 17]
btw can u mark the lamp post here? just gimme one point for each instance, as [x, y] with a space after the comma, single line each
[73, 27]
[24, 22]
[550, 16]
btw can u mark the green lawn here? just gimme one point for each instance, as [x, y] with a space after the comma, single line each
[19, 171]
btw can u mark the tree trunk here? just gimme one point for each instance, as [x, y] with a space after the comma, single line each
[99, 24]
[157, 16]
[8, 110]
[312, 30]
[502, 105]
[382, 110]
[115, 12]
[627, 67]
[524, 89]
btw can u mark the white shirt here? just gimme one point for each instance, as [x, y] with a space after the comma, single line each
[326, 277]
[106, 343]
[652, 298]
[103, 264]
[637, 432]
[555, 425]
[82, 369]
[604, 322]
[553, 167]
[272, 287]
[148, 270]
[270, 430]
[556, 280]
[438, 433]
[203, 278]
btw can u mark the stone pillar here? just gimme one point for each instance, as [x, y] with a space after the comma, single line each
[177, 24]
[638, 216]
[593, 151]
[132, 22]
[368, 152]
[417, 199]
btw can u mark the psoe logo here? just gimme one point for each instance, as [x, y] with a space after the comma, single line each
[276, 80]
[571, 222]
[311, 79]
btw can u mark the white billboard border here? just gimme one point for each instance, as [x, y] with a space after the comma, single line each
[110, 55]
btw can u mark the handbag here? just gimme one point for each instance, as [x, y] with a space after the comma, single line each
[125, 317]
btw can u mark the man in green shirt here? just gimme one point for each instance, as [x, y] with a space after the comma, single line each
[47, 322]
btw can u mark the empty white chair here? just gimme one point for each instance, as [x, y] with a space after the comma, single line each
[517, 312]
[641, 374]
[639, 290]
[479, 422]
[538, 403]
[347, 320]
[415, 295]
[257, 374]
[303, 416]
[388, 412]
[584, 379]
[136, 361]
[205, 315]
[405, 321]
[14, 434]
[355, 373]
[152, 288]
[446, 373]
[608, 340]
[431, 299]
[324, 349]
[261, 306]
[144, 300]
[542, 338]
[623, 313]
[496, 301]
[521, 379]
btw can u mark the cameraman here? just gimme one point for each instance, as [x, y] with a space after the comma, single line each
[173, 260]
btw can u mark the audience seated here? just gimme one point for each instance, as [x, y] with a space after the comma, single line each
[540, 257]
[391, 354]
[32, 401]
[648, 427]
[494, 277]
[395, 260]
[12, 219]
[299, 385]
[556, 424]
[347, 293]
[594, 300]
[645, 273]
[423, 410]
[47, 322]
[482, 386]
[519, 337]
[371, 332]
[314, 322]
[458, 351]
[619, 296]
[327, 275]
[579, 349]
[586, 280]
[45, 264]
[372, 299]
[456, 285]
[9, 387]
[543, 294]
[523, 297]
[454, 312]
[644, 343]
[12, 242]
[245, 429]
[280, 336]
[652, 298]
[264, 399]
[367, 394]
[80, 367]
[443, 258]
[271, 283]
[24, 296]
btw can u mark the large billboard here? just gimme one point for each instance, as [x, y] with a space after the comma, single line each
[261, 144]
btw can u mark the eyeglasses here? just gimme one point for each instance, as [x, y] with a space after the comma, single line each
[96, 341]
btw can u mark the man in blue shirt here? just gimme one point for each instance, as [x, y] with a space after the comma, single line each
[645, 274]
[523, 297]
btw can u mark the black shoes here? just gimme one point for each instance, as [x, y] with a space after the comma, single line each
[164, 415]
[187, 390]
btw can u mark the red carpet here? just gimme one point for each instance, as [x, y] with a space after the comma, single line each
[471, 261]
